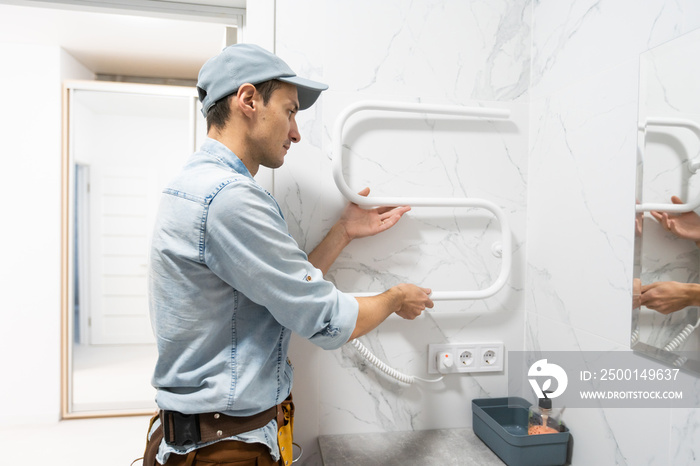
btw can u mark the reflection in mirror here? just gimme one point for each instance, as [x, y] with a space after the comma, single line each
[668, 156]
[124, 142]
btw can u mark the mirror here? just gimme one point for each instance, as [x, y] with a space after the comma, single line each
[124, 142]
[668, 154]
[109, 182]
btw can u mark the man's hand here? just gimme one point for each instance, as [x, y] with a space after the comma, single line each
[415, 301]
[355, 222]
[358, 222]
[407, 301]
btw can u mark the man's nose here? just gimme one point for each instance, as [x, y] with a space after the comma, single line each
[294, 134]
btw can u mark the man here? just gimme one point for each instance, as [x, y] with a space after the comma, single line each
[228, 284]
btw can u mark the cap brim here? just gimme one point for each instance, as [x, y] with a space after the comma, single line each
[307, 90]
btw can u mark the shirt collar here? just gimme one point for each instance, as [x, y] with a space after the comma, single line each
[225, 155]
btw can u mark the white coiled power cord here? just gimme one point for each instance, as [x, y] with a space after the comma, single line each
[676, 342]
[401, 377]
[634, 338]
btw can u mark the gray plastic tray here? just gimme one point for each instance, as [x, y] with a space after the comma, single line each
[501, 423]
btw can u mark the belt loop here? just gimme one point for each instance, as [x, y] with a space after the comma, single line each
[280, 416]
[190, 458]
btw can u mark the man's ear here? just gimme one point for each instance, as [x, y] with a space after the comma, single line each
[245, 101]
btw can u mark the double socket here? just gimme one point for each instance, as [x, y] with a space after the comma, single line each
[455, 358]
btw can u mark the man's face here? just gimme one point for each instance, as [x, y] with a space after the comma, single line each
[276, 127]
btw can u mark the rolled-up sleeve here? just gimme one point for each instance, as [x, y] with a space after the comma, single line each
[247, 244]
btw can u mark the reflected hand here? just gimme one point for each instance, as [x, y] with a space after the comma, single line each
[685, 225]
[668, 297]
[359, 222]
[638, 222]
[636, 293]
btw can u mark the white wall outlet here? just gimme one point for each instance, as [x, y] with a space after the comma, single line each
[454, 358]
[492, 356]
[465, 357]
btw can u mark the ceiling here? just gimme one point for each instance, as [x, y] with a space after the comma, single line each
[116, 43]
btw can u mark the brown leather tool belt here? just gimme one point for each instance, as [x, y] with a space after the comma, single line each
[195, 429]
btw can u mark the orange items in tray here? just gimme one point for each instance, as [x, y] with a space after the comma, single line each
[535, 430]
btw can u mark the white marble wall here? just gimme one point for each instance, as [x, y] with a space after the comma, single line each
[580, 206]
[473, 54]
[563, 170]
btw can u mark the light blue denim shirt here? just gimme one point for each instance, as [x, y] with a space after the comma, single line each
[228, 285]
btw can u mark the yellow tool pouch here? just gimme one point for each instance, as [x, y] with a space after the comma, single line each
[286, 432]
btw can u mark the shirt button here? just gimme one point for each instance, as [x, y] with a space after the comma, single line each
[219, 433]
[217, 416]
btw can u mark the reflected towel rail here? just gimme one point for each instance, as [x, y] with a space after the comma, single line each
[693, 165]
[468, 112]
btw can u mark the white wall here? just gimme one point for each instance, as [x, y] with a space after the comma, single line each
[579, 87]
[443, 53]
[585, 75]
[30, 129]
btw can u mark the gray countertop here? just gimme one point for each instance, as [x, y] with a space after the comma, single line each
[441, 447]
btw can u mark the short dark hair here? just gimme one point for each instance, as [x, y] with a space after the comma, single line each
[219, 114]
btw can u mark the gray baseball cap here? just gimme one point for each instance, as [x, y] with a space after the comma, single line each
[247, 63]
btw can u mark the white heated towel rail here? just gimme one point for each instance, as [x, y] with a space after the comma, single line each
[468, 112]
[693, 165]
